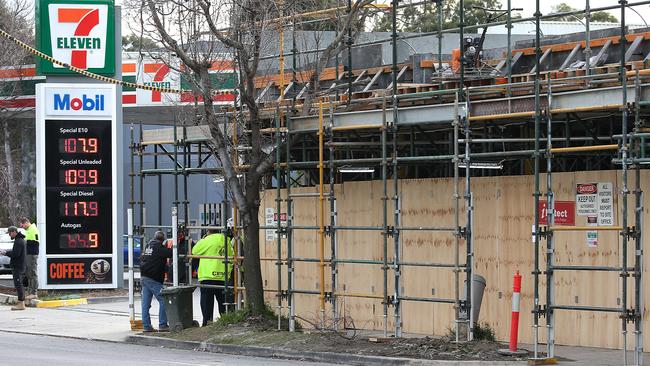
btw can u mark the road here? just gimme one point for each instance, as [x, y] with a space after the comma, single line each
[24, 349]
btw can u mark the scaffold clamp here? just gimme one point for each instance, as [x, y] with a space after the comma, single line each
[542, 311]
[329, 296]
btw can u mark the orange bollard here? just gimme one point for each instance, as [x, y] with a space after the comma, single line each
[514, 323]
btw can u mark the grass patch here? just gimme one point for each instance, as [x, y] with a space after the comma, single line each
[482, 332]
[266, 320]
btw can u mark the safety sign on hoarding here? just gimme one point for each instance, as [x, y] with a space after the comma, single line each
[271, 219]
[76, 32]
[596, 200]
[564, 213]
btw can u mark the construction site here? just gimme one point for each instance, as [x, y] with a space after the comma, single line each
[426, 162]
[410, 177]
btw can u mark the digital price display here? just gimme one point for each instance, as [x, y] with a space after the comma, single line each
[78, 179]
[77, 195]
[79, 240]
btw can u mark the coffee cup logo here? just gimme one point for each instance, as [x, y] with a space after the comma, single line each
[100, 268]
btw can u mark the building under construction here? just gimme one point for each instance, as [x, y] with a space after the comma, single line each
[410, 176]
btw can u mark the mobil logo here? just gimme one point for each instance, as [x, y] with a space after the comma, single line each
[73, 100]
[84, 102]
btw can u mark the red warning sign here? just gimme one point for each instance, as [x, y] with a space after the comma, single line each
[565, 213]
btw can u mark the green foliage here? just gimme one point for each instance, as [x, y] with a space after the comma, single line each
[268, 318]
[133, 43]
[426, 19]
[599, 16]
[483, 332]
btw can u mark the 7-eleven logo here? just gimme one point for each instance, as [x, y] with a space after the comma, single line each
[159, 72]
[78, 34]
[158, 75]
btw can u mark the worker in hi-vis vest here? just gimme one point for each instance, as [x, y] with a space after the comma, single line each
[212, 272]
[31, 260]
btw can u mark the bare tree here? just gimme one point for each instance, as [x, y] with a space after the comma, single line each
[16, 175]
[199, 32]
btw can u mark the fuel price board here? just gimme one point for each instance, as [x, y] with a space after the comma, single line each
[76, 179]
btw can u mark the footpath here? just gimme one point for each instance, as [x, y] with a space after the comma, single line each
[107, 319]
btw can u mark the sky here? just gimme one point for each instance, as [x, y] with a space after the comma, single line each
[546, 5]
[529, 8]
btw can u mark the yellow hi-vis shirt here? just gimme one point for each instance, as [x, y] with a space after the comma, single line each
[214, 245]
[31, 233]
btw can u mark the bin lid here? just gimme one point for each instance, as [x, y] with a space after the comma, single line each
[177, 289]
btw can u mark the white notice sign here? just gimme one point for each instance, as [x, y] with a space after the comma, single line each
[587, 199]
[605, 204]
[269, 234]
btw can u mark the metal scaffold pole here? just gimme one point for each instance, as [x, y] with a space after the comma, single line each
[278, 205]
[625, 315]
[457, 229]
[397, 250]
[550, 220]
[129, 229]
[223, 223]
[321, 210]
[388, 231]
[439, 9]
[141, 186]
[186, 206]
[235, 221]
[175, 209]
[350, 42]
[290, 264]
[638, 230]
[587, 38]
[384, 222]
[509, 54]
[468, 192]
[332, 229]
[537, 311]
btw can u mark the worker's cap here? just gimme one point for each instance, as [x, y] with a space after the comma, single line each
[12, 229]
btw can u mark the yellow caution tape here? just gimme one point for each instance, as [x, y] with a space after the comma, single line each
[91, 75]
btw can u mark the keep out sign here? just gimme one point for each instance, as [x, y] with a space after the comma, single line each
[565, 213]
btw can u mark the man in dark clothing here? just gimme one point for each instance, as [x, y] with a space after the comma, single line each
[17, 255]
[152, 274]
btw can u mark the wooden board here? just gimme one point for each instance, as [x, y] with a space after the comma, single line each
[503, 215]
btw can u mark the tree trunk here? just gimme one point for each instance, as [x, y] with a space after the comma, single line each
[11, 199]
[252, 270]
[27, 179]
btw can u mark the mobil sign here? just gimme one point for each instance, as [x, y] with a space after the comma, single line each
[564, 214]
[78, 101]
[79, 33]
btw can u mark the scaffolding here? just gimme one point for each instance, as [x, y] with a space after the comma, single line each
[339, 123]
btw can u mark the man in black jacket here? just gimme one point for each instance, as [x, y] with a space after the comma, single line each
[17, 255]
[152, 274]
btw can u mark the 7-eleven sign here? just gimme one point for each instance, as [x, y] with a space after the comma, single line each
[79, 33]
[157, 74]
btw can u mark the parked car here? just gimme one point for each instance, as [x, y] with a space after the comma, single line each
[6, 243]
[137, 246]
